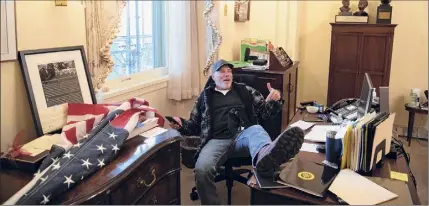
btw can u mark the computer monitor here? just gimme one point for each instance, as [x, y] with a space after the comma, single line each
[365, 99]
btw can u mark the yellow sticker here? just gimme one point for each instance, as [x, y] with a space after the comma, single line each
[384, 15]
[398, 176]
[306, 175]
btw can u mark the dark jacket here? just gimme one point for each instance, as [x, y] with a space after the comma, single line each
[199, 123]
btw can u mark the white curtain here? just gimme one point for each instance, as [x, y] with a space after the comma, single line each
[102, 24]
[182, 50]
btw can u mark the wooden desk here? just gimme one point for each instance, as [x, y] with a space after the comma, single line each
[284, 196]
[411, 113]
[142, 173]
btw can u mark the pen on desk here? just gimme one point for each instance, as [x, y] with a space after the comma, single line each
[316, 120]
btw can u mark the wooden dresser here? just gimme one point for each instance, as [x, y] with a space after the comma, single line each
[286, 81]
[357, 49]
[145, 172]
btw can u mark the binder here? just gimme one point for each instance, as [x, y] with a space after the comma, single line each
[384, 132]
[371, 144]
[367, 141]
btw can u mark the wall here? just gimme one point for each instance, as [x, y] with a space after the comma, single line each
[39, 24]
[409, 58]
[269, 20]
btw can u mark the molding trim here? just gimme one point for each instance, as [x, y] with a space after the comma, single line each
[123, 94]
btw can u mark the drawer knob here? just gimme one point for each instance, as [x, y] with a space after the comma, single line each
[141, 181]
[153, 200]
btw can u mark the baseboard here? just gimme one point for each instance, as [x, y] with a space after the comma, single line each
[418, 132]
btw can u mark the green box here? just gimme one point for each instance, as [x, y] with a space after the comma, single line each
[254, 44]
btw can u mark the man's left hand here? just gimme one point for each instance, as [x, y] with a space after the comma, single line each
[274, 94]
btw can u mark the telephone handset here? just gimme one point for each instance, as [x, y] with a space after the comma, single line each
[335, 114]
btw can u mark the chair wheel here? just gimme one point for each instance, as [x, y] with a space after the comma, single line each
[193, 195]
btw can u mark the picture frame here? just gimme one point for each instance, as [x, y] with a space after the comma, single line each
[54, 77]
[241, 10]
[8, 33]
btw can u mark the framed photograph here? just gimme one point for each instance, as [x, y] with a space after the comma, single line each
[54, 77]
[241, 10]
[8, 35]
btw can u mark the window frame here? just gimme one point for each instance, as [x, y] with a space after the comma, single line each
[146, 76]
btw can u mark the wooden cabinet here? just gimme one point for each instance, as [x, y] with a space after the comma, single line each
[357, 49]
[286, 81]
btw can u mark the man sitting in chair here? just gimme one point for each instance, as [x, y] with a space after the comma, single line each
[226, 117]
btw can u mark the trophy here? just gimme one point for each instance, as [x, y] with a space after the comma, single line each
[345, 9]
[362, 5]
[384, 12]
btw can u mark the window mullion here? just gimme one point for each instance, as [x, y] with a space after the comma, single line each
[157, 33]
[137, 53]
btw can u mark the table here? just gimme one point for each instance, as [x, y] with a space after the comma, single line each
[284, 196]
[411, 114]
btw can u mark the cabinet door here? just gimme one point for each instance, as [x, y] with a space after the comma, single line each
[344, 66]
[374, 61]
[273, 127]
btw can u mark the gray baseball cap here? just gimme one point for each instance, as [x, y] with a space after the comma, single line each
[219, 64]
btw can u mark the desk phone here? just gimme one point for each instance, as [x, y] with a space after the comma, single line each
[344, 109]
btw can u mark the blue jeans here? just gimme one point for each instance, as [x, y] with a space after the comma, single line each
[215, 153]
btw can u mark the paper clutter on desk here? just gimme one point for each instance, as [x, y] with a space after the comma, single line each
[318, 132]
[302, 124]
[358, 190]
[307, 147]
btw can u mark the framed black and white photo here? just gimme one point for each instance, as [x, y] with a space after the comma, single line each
[54, 77]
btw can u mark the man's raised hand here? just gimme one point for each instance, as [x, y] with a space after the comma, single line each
[274, 94]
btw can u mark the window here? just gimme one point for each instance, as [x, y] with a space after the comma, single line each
[140, 44]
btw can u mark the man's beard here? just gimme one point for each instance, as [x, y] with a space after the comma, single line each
[224, 85]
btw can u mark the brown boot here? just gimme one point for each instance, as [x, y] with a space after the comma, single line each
[284, 147]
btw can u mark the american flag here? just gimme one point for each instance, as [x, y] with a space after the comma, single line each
[92, 137]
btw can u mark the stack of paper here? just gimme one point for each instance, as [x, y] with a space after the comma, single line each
[358, 190]
[318, 132]
[302, 124]
[143, 127]
[153, 132]
[306, 147]
[41, 144]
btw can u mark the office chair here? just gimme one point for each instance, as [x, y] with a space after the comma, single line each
[226, 172]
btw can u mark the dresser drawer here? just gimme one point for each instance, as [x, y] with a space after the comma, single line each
[165, 192]
[147, 175]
